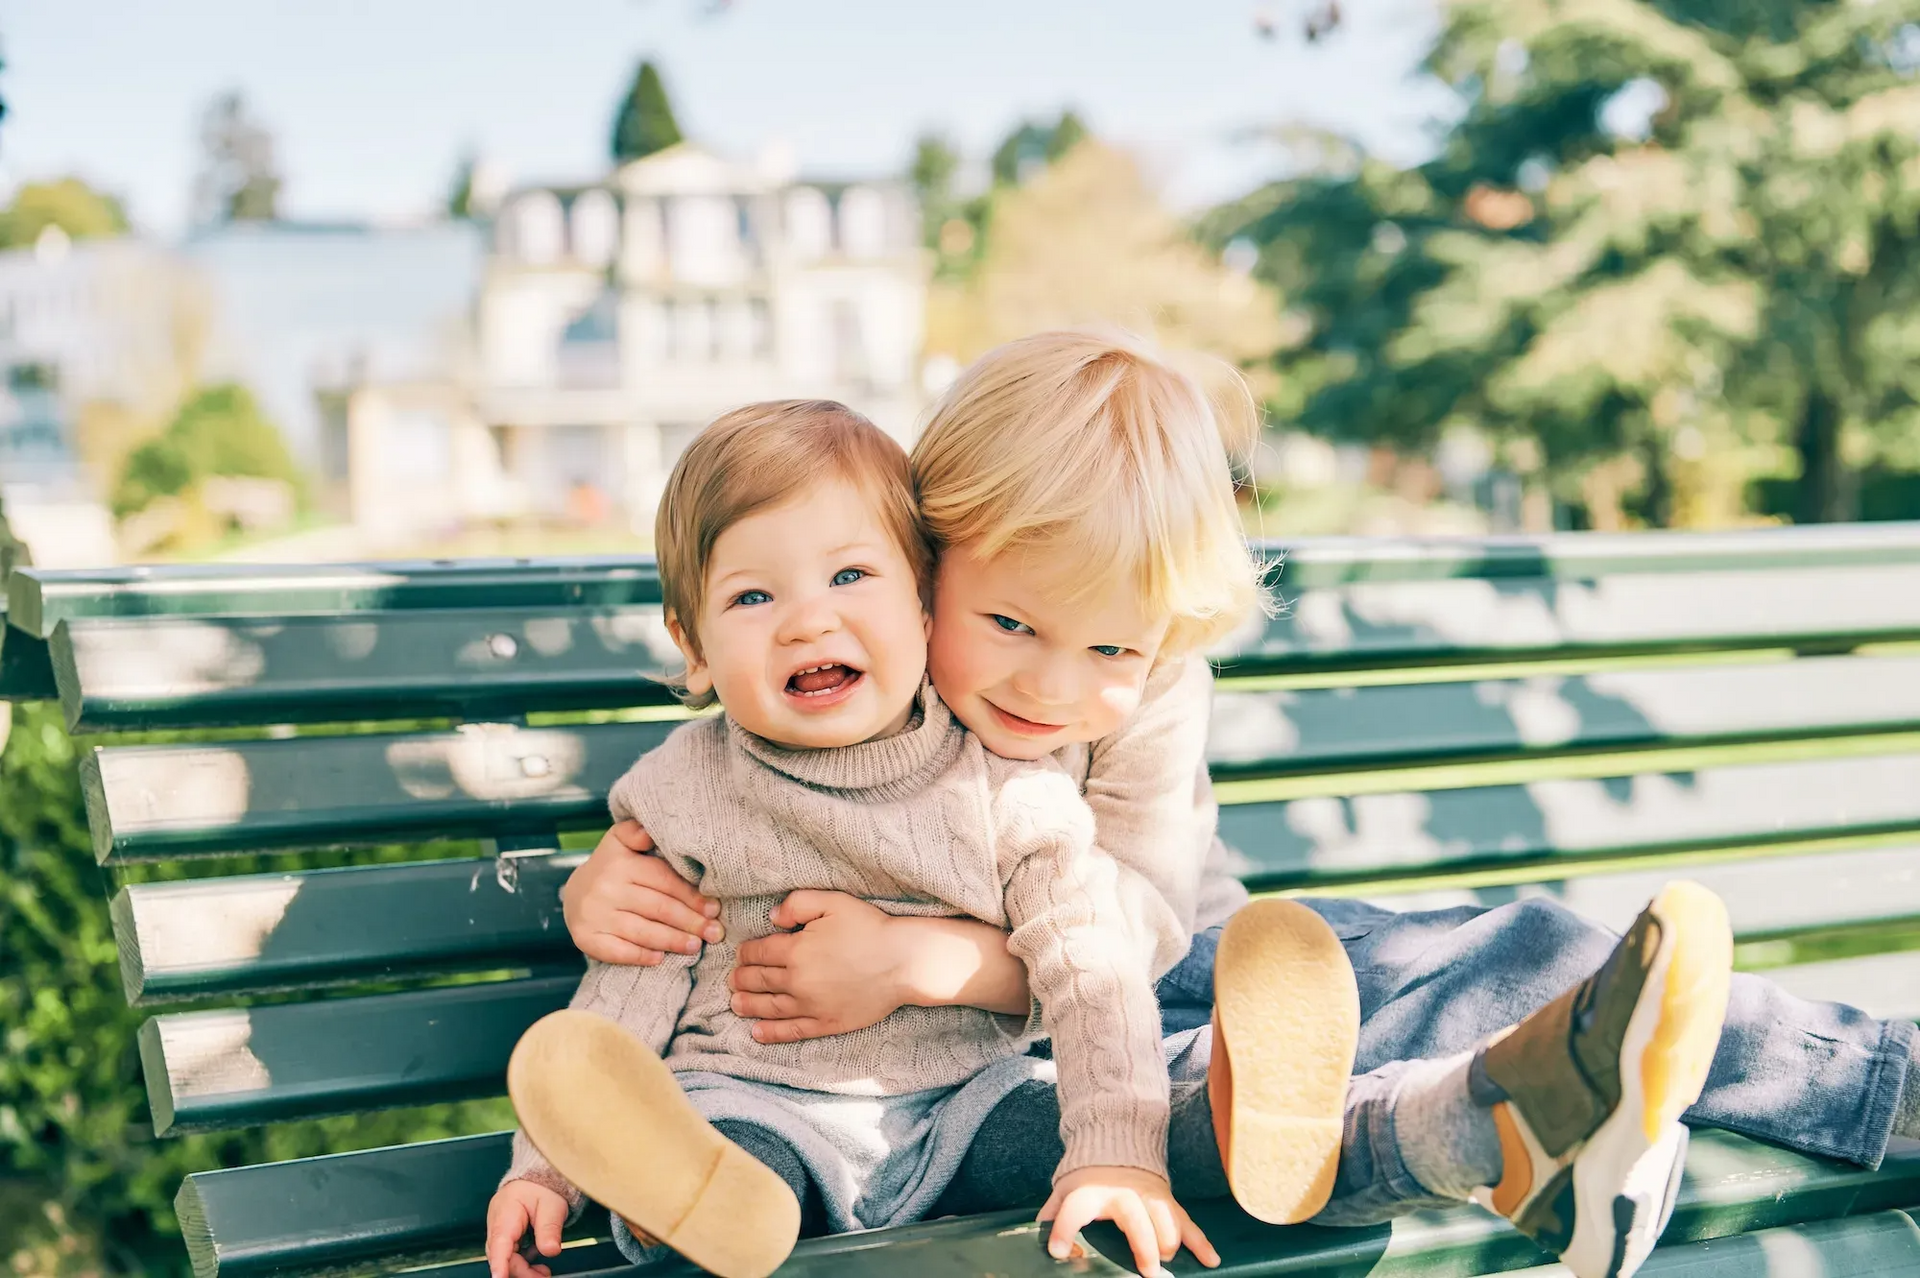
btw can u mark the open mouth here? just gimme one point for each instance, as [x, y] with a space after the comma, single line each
[824, 684]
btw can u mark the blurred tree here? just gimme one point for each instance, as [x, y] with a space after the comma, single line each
[934, 164]
[1032, 145]
[1087, 240]
[644, 123]
[219, 431]
[68, 203]
[1678, 234]
[237, 181]
[460, 190]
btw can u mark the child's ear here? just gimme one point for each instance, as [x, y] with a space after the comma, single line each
[696, 680]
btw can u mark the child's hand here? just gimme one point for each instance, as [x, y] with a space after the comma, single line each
[517, 1206]
[837, 974]
[1140, 1202]
[623, 906]
[852, 965]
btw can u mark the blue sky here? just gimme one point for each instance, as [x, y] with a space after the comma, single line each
[371, 101]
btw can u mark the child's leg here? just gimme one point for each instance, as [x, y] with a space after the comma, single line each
[1818, 1078]
[612, 1119]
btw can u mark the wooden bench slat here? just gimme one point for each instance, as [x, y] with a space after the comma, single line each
[1395, 623]
[1883, 985]
[1333, 839]
[212, 671]
[177, 671]
[151, 801]
[258, 933]
[254, 933]
[1322, 729]
[241, 1067]
[39, 598]
[1871, 1246]
[483, 779]
[340, 1211]
[1763, 896]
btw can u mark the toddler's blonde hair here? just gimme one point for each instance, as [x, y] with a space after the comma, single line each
[763, 455]
[1096, 451]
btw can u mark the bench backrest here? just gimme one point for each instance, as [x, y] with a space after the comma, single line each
[1428, 721]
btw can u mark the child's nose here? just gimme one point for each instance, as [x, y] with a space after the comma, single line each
[1046, 683]
[808, 620]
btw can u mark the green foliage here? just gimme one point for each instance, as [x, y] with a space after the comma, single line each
[68, 203]
[644, 123]
[460, 191]
[220, 431]
[1680, 232]
[934, 164]
[238, 179]
[1033, 145]
[75, 1133]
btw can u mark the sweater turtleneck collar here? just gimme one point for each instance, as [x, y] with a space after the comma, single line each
[884, 770]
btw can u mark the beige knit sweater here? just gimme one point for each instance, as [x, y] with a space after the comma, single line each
[926, 822]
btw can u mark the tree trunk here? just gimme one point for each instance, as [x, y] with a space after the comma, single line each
[1828, 492]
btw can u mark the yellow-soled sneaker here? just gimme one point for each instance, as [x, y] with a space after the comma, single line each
[1286, 1021]
[611, 1118]
[1589, 1089]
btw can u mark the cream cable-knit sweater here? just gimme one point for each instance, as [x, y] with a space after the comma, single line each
[926, 822]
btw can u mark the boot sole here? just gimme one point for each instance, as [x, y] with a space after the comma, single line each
[610, 1117]
[1287, 1020]
[1623, 1176]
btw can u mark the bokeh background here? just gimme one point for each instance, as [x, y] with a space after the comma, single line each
[344, 280]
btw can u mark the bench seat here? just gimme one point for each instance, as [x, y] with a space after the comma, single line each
[1431, 723]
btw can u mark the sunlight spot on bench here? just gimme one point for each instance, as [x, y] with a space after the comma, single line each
[192, 787]
[177, 660]
[216, 926]
[208, 1055]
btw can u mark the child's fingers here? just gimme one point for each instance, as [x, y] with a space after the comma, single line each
[792, 1030]
[804, 906]
[609, 948]
[1129, 1211]
[633, 835]
[1072, 1214]
[641, 930]
[1196, 1240]
[549, 1217]
[761, 1007]
[758, 978]
[506, 1221]
[781, 1006]
[1166, 1229]
[775, 950]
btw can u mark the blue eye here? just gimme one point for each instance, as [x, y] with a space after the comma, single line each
[1108, 649]
[1009, 625]
[847, 576]
[748, 598]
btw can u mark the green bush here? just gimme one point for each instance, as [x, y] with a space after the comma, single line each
[219, 431]
[84, 1185]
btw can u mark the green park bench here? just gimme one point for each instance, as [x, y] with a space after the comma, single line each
[1576, 716]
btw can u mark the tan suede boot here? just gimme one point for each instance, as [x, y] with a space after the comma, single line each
[610, 1117]
[1286, 1021]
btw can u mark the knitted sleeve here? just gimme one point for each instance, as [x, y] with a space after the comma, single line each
[1153, 809]
[1070, 928]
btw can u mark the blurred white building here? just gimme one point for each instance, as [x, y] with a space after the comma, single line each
[614, 320]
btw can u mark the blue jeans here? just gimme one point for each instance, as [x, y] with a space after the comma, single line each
[1819, 1078]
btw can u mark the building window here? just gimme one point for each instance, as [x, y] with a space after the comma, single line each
[596, 228]
[863, 222]
[809, 224]
[539, 230]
